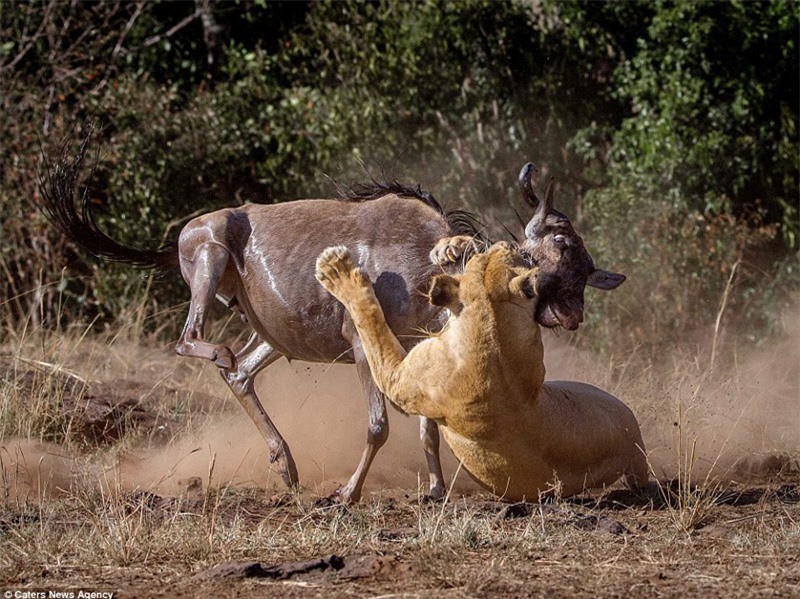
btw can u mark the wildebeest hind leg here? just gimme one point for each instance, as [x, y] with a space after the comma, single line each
[204, 274]
[254, 357]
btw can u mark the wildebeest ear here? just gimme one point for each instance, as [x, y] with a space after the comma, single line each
[605, 279]
[444, 292]
[524, 285]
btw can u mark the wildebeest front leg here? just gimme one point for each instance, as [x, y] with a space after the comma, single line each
[377, 427]
[254, 357]
[429, 435]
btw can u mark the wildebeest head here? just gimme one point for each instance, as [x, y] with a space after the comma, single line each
[565, 267]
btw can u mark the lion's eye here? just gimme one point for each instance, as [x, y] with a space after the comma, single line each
[528, 289]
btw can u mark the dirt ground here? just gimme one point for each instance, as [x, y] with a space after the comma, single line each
[393, 544]
[605, 549]
[152, 485]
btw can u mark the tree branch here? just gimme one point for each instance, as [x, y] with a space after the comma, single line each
[172, 31]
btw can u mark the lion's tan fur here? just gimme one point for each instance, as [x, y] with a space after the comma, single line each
[482, 380]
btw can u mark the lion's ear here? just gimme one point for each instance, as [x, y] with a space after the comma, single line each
[444, 292]
[524, 285]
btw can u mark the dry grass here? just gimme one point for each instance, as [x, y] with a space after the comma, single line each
[466, 547]
[184, 486]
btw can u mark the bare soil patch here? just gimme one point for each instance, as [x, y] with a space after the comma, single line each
[250, 543]
[86, 510]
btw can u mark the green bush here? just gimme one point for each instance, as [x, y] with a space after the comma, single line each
[690, 108]
[713, 90]
[692, 277]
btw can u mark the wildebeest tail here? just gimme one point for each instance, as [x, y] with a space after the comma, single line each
[73, 214]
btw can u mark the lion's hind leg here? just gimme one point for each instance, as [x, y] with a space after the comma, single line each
[637, 474]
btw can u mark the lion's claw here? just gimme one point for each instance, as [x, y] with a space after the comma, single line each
[451, 250]
[337, 272]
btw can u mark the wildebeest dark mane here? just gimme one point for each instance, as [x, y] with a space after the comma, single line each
[460, 222]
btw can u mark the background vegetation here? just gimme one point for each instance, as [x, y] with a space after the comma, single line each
[670, 127]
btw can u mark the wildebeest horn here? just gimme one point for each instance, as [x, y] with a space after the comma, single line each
[526, 186]
[536, 224]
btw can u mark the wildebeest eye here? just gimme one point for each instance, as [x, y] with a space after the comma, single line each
[559, 238]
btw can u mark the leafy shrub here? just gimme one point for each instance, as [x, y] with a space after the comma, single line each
[714, 92]
[692, 107]
[686, 270]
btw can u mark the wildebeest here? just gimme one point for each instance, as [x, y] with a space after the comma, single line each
[259, 260]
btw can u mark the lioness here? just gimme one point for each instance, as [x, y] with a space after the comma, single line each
[482, 380]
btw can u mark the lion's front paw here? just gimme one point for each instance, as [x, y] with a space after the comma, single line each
[452, 249]
[337, 273]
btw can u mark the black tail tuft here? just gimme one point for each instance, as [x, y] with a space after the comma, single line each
[60, 205]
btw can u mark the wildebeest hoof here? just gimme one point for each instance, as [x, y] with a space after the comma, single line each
[326, 502]
[437, 493]
[284, 464]
[282, 499]
[340, 497]
[224, 358]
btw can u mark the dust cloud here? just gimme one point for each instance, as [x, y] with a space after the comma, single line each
[319, 409]
[30, 470]
[738, 422]
[322, 414]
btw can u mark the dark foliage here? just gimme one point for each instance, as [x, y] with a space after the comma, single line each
[689, 108]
